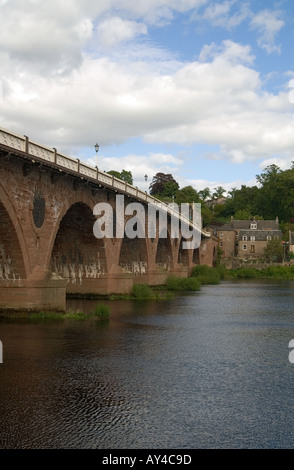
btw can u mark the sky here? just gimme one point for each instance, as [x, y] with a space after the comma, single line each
[201, 89]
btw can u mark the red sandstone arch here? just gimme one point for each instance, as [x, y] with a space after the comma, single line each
[78, 198]
[14, 250]
[77, 255]
[134, 255]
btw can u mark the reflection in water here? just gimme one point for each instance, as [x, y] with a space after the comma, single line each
[208, 370]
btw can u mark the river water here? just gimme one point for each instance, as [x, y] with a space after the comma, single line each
[207, 370]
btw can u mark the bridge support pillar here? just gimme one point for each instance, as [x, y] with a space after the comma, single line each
[43, 291]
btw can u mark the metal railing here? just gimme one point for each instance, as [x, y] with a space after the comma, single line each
[50, 155]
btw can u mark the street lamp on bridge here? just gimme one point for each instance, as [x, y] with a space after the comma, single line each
[97, 150]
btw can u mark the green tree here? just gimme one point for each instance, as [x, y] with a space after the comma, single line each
[127, 176]
[187, 194]
[218, 192]
[274, 251]
[159, 181]
[124, 175]
[205, 194]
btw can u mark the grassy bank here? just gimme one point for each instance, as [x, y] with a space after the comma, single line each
[200, 275]
[271, 273]
[101, 311]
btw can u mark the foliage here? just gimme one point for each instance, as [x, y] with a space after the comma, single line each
[205, 194]
[274, 251]
[187, 195]
[270, 273]
[206, 274]
[101, 310]
[142, 292]
[246, 273]
[218, 192]
[182, 283]
[124, 175]
[164, 185]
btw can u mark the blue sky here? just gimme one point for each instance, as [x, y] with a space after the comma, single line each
[197, 88]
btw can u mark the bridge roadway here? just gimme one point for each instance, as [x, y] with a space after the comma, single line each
[47, 245]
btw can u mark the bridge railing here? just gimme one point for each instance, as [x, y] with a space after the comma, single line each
[24, 144]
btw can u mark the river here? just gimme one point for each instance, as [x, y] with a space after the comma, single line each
[208, 370]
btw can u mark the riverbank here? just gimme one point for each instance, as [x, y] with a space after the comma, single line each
[200, 275]
[273, 272]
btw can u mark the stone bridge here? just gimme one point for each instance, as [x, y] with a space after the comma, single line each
[47, 245]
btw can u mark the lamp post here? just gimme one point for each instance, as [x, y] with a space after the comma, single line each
[146, 177]
[97, 150]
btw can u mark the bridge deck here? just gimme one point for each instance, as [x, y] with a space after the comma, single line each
[27, 149]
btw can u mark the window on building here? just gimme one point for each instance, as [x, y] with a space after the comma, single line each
[221, 244]
[221, 234]
[253, 226]
[244, 238]
[252, 249]
[244, 247]
[252, 239]
[268, 237]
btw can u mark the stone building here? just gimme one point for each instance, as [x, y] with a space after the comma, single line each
[247, 238]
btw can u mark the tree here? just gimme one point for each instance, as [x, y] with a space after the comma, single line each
[124, 175]
[187, 194]
[159, 181]
[218, 192]
[205, 194]
[127, 176]
[274, 251]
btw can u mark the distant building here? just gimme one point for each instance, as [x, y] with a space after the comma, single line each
[291, 242]
[247, 238]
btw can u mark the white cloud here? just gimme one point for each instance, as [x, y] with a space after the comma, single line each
[200, 184]
[115, 30]
[227, 50]
[221, 14]
[141, 165]
[268, 24]
[63, 88]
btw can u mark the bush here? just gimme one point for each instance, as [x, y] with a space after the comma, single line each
[101, 310]
[183, 283]
[142, 292]
[207, 275]
[247, 273]
[200, 269]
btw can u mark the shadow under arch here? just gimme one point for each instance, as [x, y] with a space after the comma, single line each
[164, 253]
[14, 259]
[183, 255]
[76, 253]
[133, 255]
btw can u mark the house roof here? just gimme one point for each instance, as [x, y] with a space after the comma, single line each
[260, 235]
[246, 225]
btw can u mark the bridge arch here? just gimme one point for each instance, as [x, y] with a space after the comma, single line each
[164, 252]
[183, 254]
[76, 254]
[14, 260]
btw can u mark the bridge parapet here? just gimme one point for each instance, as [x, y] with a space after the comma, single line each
[50, 155]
